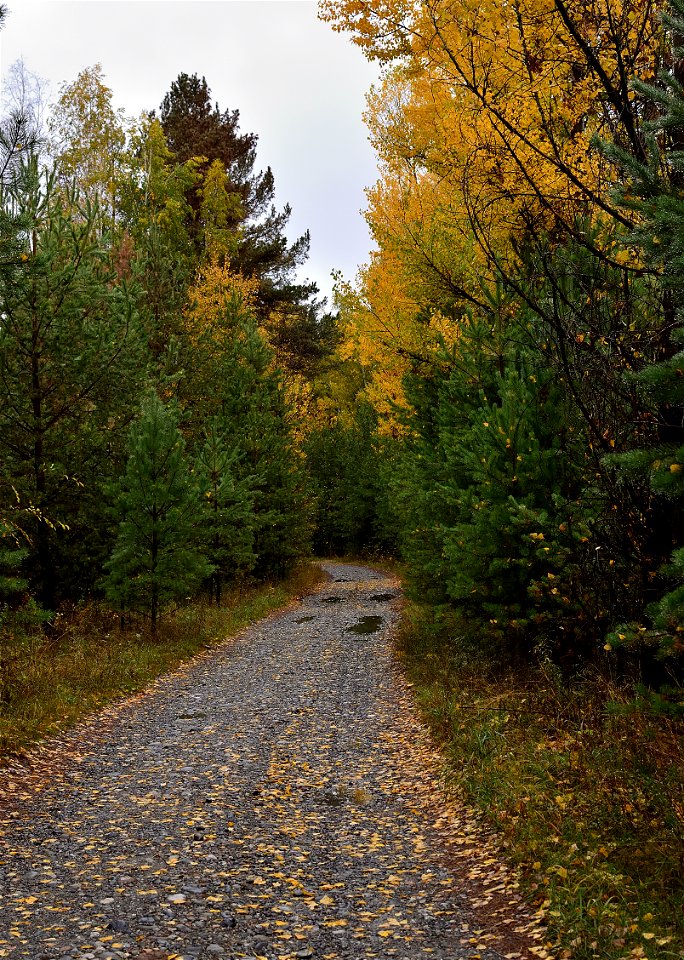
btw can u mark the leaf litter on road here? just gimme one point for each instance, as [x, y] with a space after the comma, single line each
[284, 800]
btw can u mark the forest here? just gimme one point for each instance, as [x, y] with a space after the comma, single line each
[495, 404]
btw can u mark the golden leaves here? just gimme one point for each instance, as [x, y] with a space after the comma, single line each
[213, 300]
[484, 125]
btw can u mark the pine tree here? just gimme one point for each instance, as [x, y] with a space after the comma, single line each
[654, 189]
[343, 462]
[228, 521]
[256, 419]
[72, 359]
[252, 229]
[158, 556]
[487, 485]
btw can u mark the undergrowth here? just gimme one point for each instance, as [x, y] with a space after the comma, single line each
[585, 787]
[87, 660]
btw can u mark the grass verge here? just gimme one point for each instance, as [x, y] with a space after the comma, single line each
[586, 792]
[50, 683]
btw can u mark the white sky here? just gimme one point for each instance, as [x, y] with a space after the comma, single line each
[297, 84]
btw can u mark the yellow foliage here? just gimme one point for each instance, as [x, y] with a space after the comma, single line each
[212, 300]
[484, 125]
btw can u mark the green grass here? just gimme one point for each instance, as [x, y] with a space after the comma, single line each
[51, 682]
[586, 792]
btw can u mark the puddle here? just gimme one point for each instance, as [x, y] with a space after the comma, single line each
[331, 599]
[365, 626]
[339, 795]
[191, 716]
[304, 619]
[383, 597]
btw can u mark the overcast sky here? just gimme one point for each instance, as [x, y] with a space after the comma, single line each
[297, 84]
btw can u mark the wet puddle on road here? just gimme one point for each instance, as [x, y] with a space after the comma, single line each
[365, 626]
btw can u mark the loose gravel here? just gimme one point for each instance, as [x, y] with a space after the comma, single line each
[254, 804]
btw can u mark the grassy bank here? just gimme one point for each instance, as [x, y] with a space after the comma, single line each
[586, 791]
[87, 661]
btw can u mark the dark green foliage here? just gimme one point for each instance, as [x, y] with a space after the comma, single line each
[304, 337]
[497, 518]
[654, 188]
[228, 520]
[71, 365]
[158, 556]
[343, 462]
[255, 417]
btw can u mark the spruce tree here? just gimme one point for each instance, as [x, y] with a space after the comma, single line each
[158, 556]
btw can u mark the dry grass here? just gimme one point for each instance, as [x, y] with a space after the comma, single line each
[586, 790]
[51, 682]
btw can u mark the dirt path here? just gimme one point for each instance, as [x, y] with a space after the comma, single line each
[262, 802]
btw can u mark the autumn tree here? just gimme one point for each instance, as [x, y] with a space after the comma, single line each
[485, 125]
[87, 138]
[489, 124]
[154, 245]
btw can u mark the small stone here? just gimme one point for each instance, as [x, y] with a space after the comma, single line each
[215, 949]
[305, 953]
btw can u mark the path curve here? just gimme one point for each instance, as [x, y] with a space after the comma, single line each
[264, 801]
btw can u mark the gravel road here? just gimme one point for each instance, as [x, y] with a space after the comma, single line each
[264, 801]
